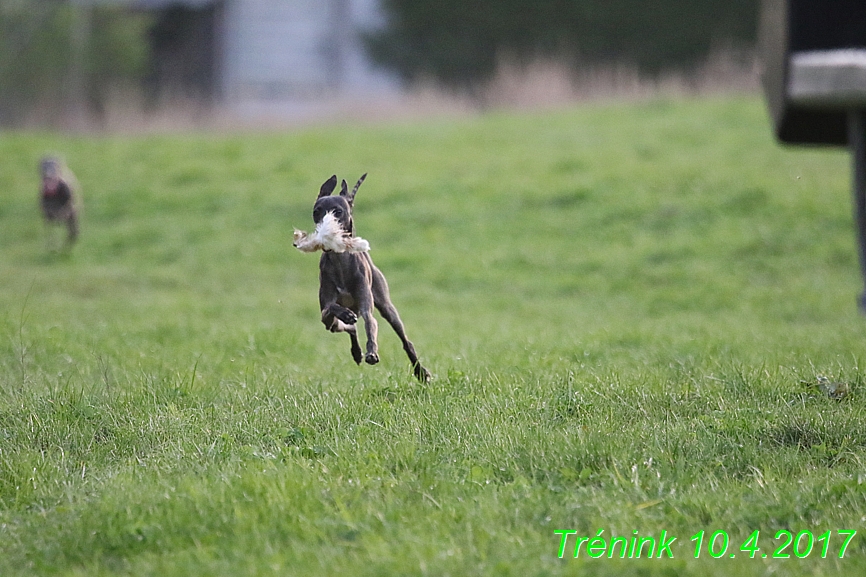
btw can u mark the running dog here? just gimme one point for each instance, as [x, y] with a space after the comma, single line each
[57, 197]
[350, 285]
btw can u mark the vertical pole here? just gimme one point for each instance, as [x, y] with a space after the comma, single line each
[857, 142]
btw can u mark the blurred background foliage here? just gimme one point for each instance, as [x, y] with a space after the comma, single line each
[59, 59]
[54, 57]
[459, 42]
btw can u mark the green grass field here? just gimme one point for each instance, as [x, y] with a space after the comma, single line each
[626, 308]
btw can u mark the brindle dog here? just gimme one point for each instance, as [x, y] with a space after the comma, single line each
[57, 197]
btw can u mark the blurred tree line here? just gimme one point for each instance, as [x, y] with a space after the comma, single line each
[57, 59]
[459, 42]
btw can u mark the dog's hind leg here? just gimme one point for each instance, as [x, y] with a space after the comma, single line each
[389, 312]
[357, 355]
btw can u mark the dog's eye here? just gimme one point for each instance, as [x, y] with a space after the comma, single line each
[338, 213]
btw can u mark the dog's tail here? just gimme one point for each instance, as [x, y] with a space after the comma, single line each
[358, 185]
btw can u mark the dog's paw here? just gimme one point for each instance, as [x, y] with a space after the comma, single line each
[344, 314]
[347, 316]
[371, 358]
[421, 373]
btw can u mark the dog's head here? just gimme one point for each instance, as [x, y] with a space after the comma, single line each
[340, 206]
[51, 171]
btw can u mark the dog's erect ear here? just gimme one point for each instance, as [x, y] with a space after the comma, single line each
[351, 197]
[328, 187]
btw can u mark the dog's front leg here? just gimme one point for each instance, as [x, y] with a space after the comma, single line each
[337, 318]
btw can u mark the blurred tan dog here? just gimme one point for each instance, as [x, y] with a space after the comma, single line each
[58, 198]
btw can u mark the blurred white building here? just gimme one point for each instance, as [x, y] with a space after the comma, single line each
[247, 54]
